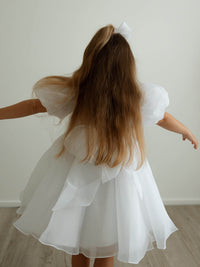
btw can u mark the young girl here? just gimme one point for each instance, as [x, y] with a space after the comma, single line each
[92, 194]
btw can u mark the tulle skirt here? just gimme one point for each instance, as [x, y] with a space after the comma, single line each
[99, 212]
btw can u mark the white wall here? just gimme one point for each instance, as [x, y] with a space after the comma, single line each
[40, 38]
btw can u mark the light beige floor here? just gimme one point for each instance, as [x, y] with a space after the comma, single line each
[183, 246]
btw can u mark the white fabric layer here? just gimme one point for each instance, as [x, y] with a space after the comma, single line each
[155, 104]
[51, 98]
[95, 210]
[72, 207]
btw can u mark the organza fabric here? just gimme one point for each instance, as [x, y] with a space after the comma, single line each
[95, 210]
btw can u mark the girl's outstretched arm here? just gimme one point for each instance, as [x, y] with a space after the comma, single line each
[171, 124]
[22, 109]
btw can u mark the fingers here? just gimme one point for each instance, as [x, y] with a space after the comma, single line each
[196, 145]
[183, 137]
[192, 140]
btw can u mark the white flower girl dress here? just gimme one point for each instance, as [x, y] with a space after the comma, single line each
[94, 210]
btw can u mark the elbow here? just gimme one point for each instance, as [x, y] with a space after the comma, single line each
[163, 120]
[38, 107]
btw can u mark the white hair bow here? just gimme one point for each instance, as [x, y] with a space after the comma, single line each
[124, 30]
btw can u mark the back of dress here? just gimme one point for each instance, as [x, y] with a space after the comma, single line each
[94, 210]
[155, 102]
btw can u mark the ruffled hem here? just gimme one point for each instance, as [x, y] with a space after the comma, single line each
[89, 206]
[83, 251]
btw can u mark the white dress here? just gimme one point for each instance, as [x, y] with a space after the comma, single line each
[94, 210]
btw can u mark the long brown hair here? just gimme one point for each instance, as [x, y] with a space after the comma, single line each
[107, 99]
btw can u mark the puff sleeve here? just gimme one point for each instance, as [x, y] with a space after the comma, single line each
[156, 100]
[52, 98]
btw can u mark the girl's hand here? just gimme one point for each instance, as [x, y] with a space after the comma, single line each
[188, 135]
[172, 124]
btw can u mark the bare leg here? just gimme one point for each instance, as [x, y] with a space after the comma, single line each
[80, 260]
[104, 262]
